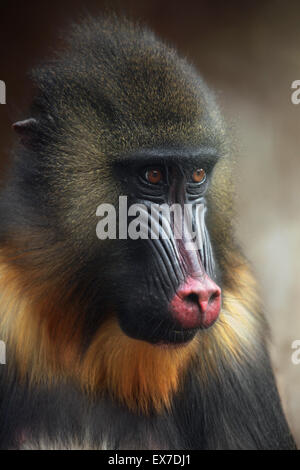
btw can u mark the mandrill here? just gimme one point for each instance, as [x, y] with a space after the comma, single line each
[141, 342]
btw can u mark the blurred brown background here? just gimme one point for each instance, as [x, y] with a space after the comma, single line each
[250, 53]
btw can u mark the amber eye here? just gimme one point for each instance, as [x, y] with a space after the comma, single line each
[154, 176]
[199, 175]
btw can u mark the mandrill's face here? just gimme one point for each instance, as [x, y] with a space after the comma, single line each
[165, 282]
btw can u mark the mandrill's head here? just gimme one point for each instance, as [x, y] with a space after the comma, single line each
[120, 114]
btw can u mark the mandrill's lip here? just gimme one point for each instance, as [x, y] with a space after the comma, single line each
[177, 339]
[164, 332]
[164, 345]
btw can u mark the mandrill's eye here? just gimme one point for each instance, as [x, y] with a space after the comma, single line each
[199, 175]
[153, 175]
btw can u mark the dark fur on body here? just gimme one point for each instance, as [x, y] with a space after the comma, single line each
[116, 91]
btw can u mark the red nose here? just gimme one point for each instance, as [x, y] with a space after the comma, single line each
[197, 303]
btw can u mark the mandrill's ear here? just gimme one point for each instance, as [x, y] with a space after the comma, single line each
[26, 129]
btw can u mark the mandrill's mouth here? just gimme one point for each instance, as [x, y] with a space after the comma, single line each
[194, 306]
[177, 339]
[163, 330]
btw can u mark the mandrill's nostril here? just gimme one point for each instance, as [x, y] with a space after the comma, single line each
[192, 298]
[201, 301]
